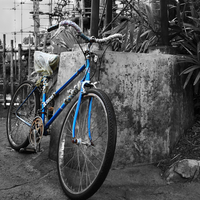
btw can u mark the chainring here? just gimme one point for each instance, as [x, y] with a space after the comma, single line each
[36, 131]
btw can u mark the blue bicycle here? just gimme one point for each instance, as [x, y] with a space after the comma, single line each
[88, 135]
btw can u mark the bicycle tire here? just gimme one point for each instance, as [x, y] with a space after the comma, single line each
[18, 131]
[87, 164]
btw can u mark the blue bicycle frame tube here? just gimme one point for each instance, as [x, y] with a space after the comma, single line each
[55, 116]
[58, 92]
[76, 113]
[87, 70]
[70, 80]
[87, 78]
[43, 109]
[89, 117]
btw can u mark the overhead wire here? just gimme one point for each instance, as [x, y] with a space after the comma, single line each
[20, 6]
[25, 3]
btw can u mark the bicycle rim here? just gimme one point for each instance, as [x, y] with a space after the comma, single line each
[18, 131]
[83, 168]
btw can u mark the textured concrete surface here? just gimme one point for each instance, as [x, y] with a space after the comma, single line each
[30, 176]
[151, 106]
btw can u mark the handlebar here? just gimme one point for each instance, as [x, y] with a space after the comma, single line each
[110, 37]
[79, 31]
[54, 27]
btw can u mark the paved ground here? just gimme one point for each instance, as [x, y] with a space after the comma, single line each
[34, 177]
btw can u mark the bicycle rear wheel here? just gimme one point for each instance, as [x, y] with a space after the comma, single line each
[17, 130]
[82, 168]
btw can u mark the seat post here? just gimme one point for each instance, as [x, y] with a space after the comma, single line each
[44, 92]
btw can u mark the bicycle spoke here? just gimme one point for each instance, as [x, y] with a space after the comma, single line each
[17, 130]
[79, 165]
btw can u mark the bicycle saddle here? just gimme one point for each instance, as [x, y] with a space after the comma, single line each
[45, 63]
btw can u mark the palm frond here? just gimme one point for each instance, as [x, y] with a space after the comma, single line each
[189, 48]
[188, 59]
[197, 79]
[190, 69]
[187, 79]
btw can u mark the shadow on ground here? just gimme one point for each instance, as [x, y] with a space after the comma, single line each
[32, 176]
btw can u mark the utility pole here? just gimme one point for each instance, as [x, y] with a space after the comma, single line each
[50, 12]
[36, 19]
[108, 14]
[82, 13]
[21, 21]
[94, 18]
[164, 22]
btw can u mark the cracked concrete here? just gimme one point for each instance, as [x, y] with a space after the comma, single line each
[30, 176]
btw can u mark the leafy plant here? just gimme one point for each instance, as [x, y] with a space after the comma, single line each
[194, 68]
[140, 26]
[141, 29]
[188, 41]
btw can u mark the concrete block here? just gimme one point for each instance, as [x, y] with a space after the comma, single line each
[151, 106]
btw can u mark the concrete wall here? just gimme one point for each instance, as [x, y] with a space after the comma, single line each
[152, 108]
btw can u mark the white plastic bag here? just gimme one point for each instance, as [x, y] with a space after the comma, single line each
[44, 61]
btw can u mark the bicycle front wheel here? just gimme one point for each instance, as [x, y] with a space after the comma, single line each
[17, 130]
[83, 167]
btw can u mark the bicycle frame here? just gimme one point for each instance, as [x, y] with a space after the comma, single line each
[45, 102]
[88, 132]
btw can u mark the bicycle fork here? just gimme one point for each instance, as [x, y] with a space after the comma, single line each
[79, 140]
[79, 87]
[83, 83]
